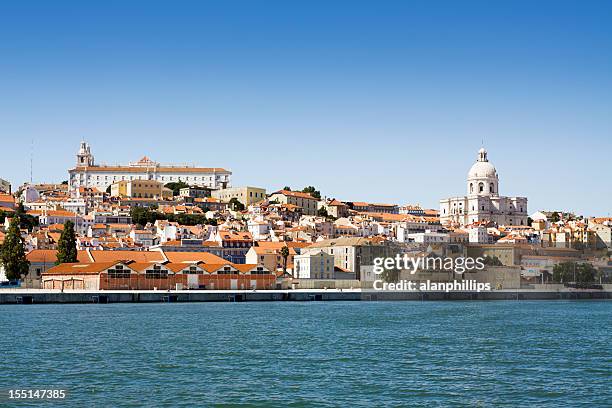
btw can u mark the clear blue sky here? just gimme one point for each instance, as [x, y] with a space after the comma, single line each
[378, 101]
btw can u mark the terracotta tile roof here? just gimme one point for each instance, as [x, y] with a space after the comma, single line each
[42, 256]
[183, 257]
[235, 235]
[336, 203]
[210, 268]
[60, 213]
[79, 268]
[136, 256]
[158, 169]
[142, 266]
[279, 245]
[297, 194]
[271, 251]
[180, 266]
[244, 268]
[7, 198]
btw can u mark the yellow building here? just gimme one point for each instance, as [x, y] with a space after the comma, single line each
[140, 189]
[246, 195]
[305, 201]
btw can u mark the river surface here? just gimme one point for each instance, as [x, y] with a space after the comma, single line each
[302, 354]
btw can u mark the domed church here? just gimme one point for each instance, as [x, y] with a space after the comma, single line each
[483, 202]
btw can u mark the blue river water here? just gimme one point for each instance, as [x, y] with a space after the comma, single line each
[291, 354]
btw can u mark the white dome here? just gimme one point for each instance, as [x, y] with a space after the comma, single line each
[482, 169]
[482, 178]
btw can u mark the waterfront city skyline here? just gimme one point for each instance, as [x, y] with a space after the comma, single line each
[394, 100]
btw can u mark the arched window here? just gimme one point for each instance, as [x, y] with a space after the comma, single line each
[471, 187]
[491, 188]
[480, 187]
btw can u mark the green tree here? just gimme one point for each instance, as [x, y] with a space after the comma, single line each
[585, 273]
[555, 217]
[562, 272]
[322, 212]
[66, 246]
[144, 215]
[176, 186]
[312, 191]
[287, 188]
[492, 261]
[235, 204]
[573, 272]
[284, 252]
[188, 219]
[25, 220]
[12, 254]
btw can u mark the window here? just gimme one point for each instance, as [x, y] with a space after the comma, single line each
[226, 271]
[261, 271]
[118, 272]
[480, 187]
[491, 188]
[193, 271]
[156, 273]
[471, 187]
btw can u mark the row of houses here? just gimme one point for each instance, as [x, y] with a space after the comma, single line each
[130, 275]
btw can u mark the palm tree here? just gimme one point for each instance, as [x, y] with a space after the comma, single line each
[284, 252]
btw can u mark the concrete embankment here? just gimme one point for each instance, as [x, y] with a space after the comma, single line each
[32, 296]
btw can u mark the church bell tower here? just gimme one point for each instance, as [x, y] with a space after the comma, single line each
[84, 156]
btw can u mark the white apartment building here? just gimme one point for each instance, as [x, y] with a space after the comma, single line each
[427, 237]
[259, 229]
[478, 235]
[88, 174]
[314, 265]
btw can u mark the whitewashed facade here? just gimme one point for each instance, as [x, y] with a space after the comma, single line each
[88, 174]
[483, 202]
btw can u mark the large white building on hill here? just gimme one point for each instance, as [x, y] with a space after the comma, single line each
[88, 174]
[483, 202]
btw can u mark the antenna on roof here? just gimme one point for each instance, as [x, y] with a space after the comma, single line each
[31, 160]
